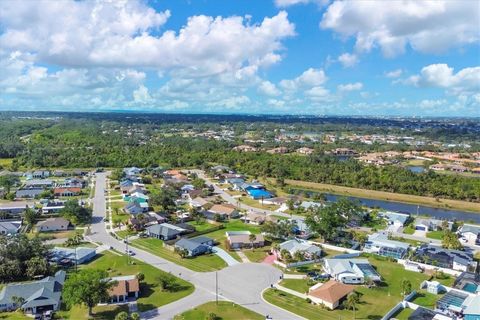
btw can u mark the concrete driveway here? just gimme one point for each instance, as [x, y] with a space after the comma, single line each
[225, 256]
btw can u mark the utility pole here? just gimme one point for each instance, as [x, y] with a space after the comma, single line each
[216, 287]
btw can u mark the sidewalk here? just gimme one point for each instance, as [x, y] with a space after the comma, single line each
[290, 291]
[242, 256]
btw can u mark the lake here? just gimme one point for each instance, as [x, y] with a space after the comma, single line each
[438, 213]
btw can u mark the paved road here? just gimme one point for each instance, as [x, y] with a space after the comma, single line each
[242, 283]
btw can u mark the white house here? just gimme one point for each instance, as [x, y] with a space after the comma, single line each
[471, 233]
[350, 271]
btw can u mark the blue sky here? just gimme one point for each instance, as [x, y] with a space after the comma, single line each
[409, 58]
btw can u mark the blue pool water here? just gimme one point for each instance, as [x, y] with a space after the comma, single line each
[470, 287]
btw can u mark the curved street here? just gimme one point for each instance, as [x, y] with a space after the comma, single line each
[242, 283]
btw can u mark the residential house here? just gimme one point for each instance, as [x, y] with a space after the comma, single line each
[72, 183]
[245, 148]
[470, 232]
[301, 229]
[133, 171]
[198, 202]
[226, 211]
[147, 220]
[472, 309]
[39, 184]
[252, 217]
[445, 258]
[135, 207]
[278, 201]
[350, 271]
[220, 169]
[344, 152]
[164, 231]
[310, 251]
[15, 208]
[126, 185]
[379, 243]
[259, 194]
[395, 219]
[53, 224]
[279, 150]
[195, 246]
[136, 197]
[310, 205]
[330, 294]
[126, 288]
[28, 193]
[60, 173]
[67, 191]
[305, 150]
[40, 174]
[241, 239]
[54, 206]
[37, 296]
[430, 224]
[10, 227]
[69, 256]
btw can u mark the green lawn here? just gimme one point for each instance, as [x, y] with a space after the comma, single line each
[435, 235]
[224, 311]
[203, 263]
[299, 285]
[426, 299]
[389, 293]
[5, 162]
[409, 229]
[256, 255]
[123, 233]
[202, 226]
[99, 313]
[151, 295]
[13, 316]
[255, 203]
[403, 314]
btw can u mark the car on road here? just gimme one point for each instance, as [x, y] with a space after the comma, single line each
[130, 252]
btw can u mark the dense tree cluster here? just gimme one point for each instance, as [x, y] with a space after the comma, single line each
[89, 143]
[22, 258]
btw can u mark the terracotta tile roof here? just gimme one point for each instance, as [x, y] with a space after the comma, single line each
[120, 289]
[332, 291]
[68, 189]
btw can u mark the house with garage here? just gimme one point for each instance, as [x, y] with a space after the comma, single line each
[164, 231]
[15, 208]
[39, 184]
[53, 224]
[69, 256]
[225, 211]
[379, 243]
[28, 193]
[132, 171]
[445, 258]
[330, 294]
[54, 206]
[126, 185]
[198, 202]
[395, 219]
[310, 251]
[126, 288]
[40, 174]
[252, 217]
[241, 239]
[195, 246]
[470, 232]
[135, 208]
[10, 227]
[430, 224]
[350, 271]
[66, 191]
[37, 296]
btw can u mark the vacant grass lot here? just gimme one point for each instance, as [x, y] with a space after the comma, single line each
[224, 311]
[257, 255]
[202, 226]
[389, 293]
[255, 203]
[435, 235]
[203, 263]
[389, 196]
[295, 284]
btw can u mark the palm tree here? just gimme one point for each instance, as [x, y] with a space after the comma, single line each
[353, 299]
[252, 238]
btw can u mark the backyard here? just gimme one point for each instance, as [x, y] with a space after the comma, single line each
[224, 311]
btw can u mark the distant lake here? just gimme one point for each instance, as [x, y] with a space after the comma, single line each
[416, 169]
[438, 213]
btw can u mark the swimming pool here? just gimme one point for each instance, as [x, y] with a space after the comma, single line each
[470, 287]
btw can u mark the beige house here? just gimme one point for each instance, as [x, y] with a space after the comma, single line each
[53, 224]
[225, 210]
[330, 293]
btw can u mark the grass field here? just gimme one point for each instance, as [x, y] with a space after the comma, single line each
[202, 226]
[255, 203]
[295, 284]
[224, 311]
[13, 316]
[389, 196]
[435, 235]
[203, 263]
[389, 293]
[256, 255]
[409, 229]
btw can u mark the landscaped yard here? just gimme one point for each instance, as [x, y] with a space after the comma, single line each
[151, 295]
[202, 226]
[255, 203]
[107, 312]
[426, 299]
[435, 235]
[13, 316]
[409, 229]
[123, 233]
[224, 311]
[295, 284]
[389, 293]
[57, 234]
[203, 263]
[258, 254]
[403, 314]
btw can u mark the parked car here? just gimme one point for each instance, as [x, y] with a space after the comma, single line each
[130, 252]
[48, 315]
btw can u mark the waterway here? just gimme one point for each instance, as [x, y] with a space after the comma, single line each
[439, 213]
